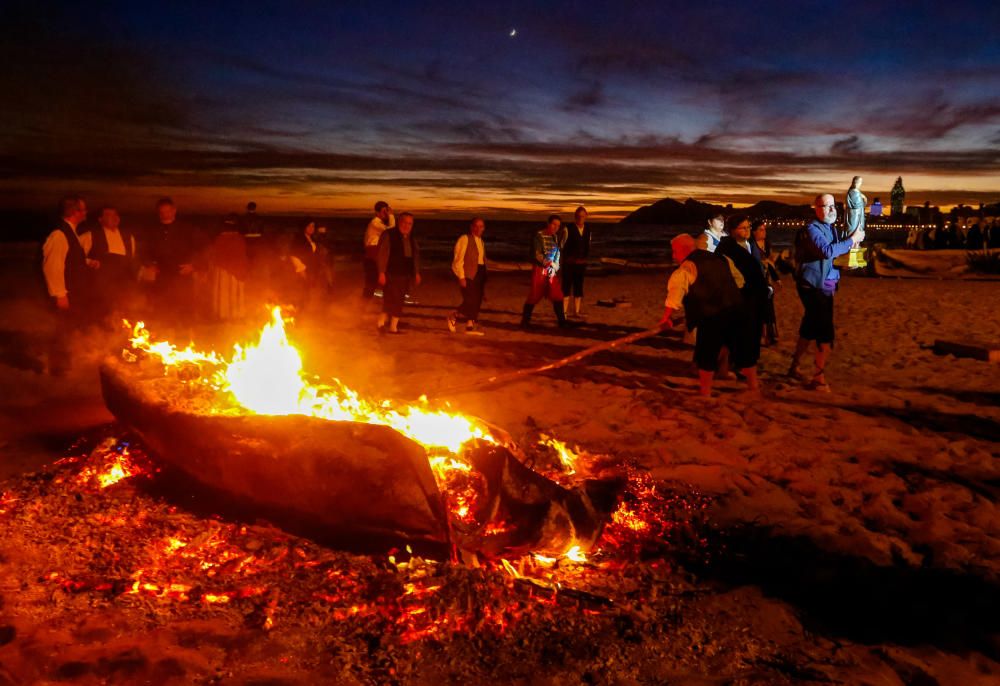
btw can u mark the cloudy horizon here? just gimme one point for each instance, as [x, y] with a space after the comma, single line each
[305, 108]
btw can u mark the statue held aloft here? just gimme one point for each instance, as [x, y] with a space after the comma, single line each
[855, 206]
[854, 221]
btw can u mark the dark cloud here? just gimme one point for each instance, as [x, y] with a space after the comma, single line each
[846, 146]
[586, 98]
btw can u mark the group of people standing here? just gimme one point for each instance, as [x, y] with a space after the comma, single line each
[725, 285]
[725, 280]
[392, 263]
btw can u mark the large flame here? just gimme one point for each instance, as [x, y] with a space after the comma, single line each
[267, 378]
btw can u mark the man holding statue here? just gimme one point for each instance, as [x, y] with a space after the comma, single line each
[816, 278]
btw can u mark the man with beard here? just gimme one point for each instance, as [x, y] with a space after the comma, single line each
[816, 246]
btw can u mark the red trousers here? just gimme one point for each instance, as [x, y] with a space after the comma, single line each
[543, 286]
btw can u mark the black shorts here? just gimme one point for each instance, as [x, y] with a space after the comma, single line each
[817, 322]
[572, 279]
[733, 329]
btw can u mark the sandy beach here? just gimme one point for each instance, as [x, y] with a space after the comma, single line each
[854, 536]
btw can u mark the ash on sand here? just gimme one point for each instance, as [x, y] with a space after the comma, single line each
[100, 556]
[858, 531]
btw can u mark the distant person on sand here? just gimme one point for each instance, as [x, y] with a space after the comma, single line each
[382, 220]
[760, 246]
[708, 286]
[545, 273]
[575, 251]
[714, 232]
[398, 263]
[69, 279]
[230, 269]
[308, 259]
[974, 236]
[114, 249]
[250, 223]
[469, 267]
[816, 246]
[755, 291]
[170, 254]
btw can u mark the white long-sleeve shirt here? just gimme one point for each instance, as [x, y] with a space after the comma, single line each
[116, 243]
[375, 228]
[54, 253]
[461, 247]
[681, 280]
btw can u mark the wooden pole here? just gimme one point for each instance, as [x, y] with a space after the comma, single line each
[575, 357]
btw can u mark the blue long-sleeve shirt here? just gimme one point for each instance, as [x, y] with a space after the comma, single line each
[815, 249]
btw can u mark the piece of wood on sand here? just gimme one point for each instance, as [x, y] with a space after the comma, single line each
[977, 351]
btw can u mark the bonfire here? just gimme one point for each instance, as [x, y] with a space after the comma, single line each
[321, 460]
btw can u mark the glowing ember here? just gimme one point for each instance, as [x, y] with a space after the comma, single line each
[111, 463]
[567, 457]
[7, 501]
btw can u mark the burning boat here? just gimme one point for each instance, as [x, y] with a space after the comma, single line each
[322, 461]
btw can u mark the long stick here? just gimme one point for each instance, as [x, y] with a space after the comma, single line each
[575, 357]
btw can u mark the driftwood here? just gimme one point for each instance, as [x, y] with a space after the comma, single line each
[575, 357]
[351, 483]
[327, 479]
[986, 353]
[560, 517]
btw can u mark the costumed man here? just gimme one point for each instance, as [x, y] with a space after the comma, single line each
[575, 251]
[398, 265]
[382, 221]
[708, 286]
[69, 279]
[114, 249]
[816, 246]
[545, 273]
[469, 267]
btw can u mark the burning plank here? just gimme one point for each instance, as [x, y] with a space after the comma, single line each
[332, 477]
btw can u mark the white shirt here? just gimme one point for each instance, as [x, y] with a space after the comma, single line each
[461, 247]
[713, 240]
[375, 229]
[684, 276]
[54, 253]
[116, 244]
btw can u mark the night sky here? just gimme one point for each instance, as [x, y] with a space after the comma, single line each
[327, 106]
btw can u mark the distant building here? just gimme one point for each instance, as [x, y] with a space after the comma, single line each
[897, 196]
[876, 210]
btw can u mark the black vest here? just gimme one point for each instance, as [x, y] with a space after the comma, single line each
[399, 263]
[76, 272]
[577, 245]
[714, 290]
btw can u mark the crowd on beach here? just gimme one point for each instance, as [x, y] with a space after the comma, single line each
[724, 283]
[969, 233]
